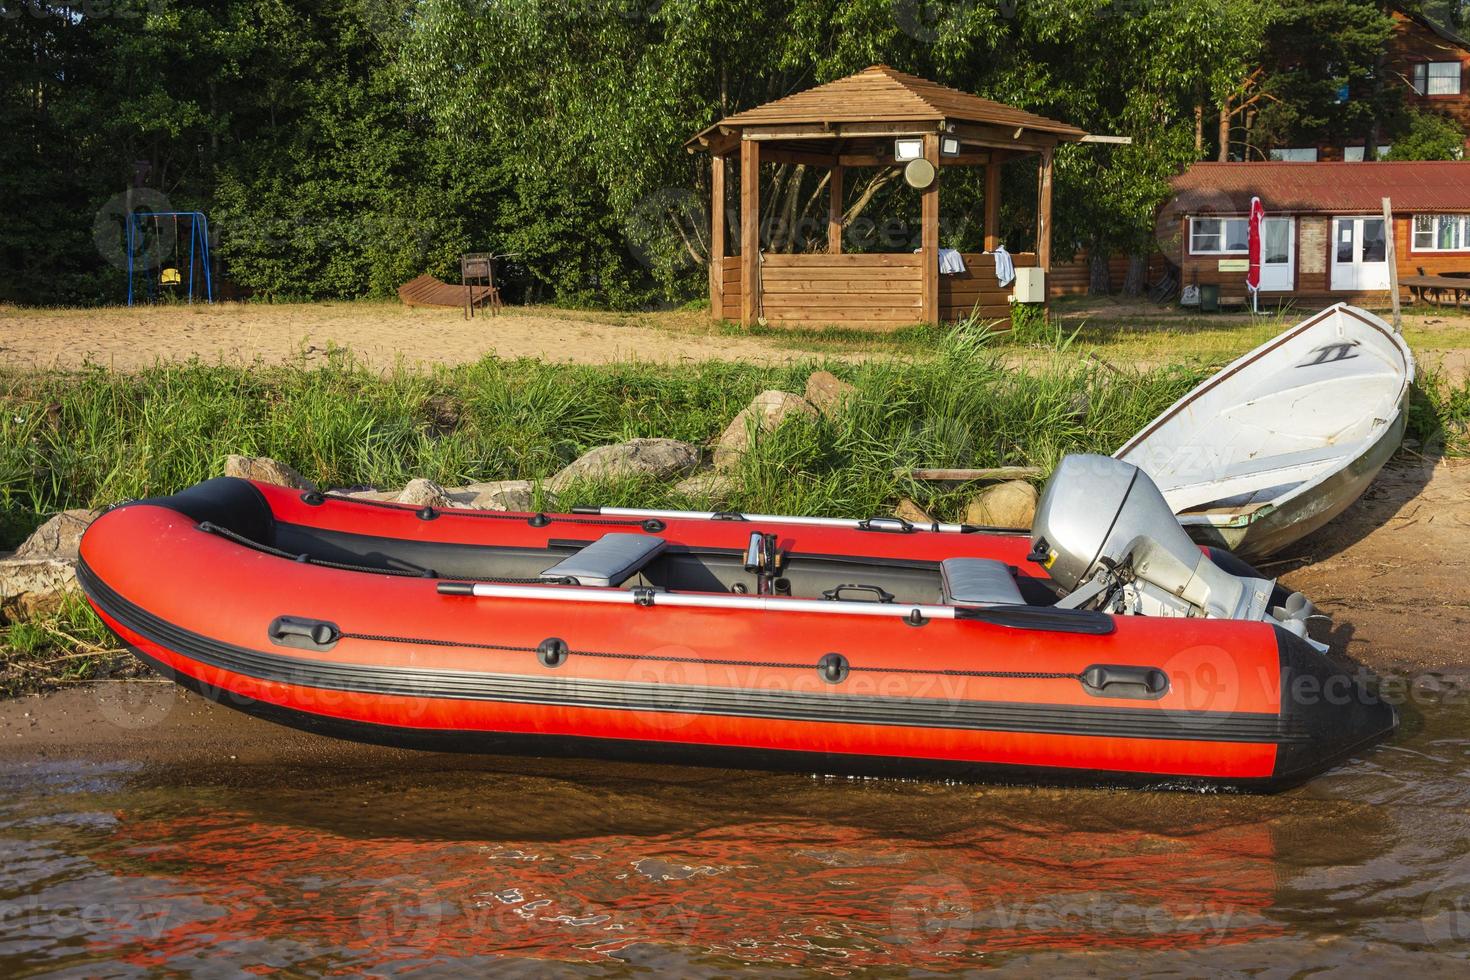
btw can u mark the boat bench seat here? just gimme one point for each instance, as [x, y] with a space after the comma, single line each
[609, 561]
[978, 582]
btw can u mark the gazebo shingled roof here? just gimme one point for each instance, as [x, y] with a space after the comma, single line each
[882, 94]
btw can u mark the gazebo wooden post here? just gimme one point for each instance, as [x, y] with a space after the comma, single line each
[750, 231]
[717, 236]
[834, 209]
[929, 236]
[1043, 219]
[992, 203]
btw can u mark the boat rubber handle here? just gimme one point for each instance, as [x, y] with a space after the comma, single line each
[883, 594]
[1115, 681]
[303, 634]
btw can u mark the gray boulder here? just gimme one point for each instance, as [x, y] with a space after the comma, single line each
[266, 470]
[663, 459]
[1009, 504]
[828, 393]
[34, 586]
[711, 486]
[764, 413]
[424, 493]
[60, 537]
[512, 495]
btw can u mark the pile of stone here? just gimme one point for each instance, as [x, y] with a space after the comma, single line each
[34, 578]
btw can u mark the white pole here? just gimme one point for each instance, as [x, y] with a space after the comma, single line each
[709, 515]
[748, 603]
[1393, 265]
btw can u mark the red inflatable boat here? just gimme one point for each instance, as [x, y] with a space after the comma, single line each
[869, 647]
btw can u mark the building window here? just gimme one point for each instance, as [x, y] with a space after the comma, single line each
[1442, 232]
[1303, 154]
[1354, 154]
[1218, 236]
[1437, 78]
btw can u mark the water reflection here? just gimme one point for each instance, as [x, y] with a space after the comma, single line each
[460, 863]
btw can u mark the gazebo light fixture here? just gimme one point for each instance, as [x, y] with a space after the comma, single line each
[949, 146]
[908, 149]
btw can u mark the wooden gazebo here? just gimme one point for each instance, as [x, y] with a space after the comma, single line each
[855, 122]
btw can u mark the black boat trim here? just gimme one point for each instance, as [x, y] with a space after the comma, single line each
[823, 706]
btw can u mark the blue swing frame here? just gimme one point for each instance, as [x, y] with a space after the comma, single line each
[198, 248]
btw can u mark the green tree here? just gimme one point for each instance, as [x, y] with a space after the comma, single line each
[1427, 136]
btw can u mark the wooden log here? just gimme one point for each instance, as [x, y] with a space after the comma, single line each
[717, 270]
[834, 210]
[750, 235]
[929, 233]
[992, 208]
[997, 473]
[822, 260]
[1043, 216]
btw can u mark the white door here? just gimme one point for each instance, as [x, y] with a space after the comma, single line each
[1359, 255]
[1278, 255]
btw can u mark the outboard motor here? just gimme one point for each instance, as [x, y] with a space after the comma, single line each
[1109, 541]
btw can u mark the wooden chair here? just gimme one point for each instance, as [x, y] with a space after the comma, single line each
[477, 272]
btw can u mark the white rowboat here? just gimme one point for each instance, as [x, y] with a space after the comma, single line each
[1283, 439]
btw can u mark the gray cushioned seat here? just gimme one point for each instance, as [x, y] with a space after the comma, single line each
[609, 561]
[979, 582]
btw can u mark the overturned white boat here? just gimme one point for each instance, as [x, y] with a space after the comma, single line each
[1283, 439]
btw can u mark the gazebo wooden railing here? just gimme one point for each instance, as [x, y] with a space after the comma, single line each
[854, 122]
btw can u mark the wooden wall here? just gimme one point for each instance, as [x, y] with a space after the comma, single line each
[730, 307]
[975, 290]
[1413, 42]
[863, 291]
[1073, 278]
[1314, 264]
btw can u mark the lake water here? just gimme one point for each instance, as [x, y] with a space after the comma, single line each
[392, 863]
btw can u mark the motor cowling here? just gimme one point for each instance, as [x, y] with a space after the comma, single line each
[1103, 530]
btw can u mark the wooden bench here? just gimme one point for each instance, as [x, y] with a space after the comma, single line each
[1433, 289]
[426, 290]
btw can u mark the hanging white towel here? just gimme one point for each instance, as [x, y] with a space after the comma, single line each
[1005, 269]
[950, 262]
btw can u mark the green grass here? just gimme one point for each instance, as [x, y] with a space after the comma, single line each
[61, 646]
[90, 438]
[95, 437]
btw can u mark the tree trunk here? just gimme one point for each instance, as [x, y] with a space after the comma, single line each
[1099, 281]
[1224, 131]
[1199, 129]
[1137, 277]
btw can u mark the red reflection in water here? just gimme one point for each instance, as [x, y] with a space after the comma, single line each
[799, 893]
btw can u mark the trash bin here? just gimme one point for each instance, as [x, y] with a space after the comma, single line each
[1209, 298]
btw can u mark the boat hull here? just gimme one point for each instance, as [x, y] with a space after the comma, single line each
[1253, 537]
[409, 666]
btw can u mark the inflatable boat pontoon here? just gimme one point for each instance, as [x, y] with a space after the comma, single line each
[1104, 647]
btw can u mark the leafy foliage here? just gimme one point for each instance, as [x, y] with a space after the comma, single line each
[1428, 136]
[341, 147]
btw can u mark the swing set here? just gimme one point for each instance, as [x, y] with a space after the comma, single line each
[159, 277]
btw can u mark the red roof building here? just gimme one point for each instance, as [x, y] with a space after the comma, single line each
[1324, 237]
